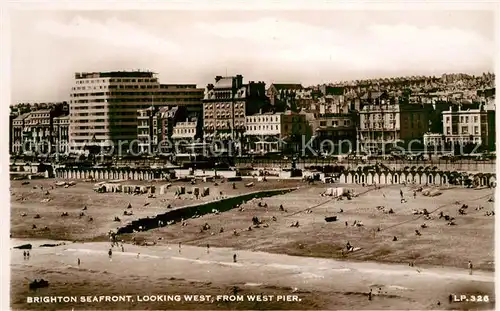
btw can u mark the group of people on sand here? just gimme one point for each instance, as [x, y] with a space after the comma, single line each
[110, 252]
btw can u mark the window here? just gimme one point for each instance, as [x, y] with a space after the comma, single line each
[465, 129]
[476, 129]
[448, 131]
[475, 119]
[466, 119]
[322, 123]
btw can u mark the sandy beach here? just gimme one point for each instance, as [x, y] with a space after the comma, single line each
[273, 258]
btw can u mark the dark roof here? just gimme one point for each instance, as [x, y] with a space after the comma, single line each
[166, 109]
[41, 111]
[114, 74]
[62, 117]
[372, 95]
[287, 86]
[23, 116]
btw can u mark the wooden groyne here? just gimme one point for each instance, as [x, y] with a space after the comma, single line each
[186, 212]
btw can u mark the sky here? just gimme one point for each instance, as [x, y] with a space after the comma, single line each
[297, 46]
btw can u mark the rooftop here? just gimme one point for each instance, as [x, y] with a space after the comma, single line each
[168, 112]
[287, 86]
[41, 111]
[115, 74]
[372, 95]
[165, 109]
[224, 82]
[186, 122]
[22, 116]
[62, 117]
[180, 86]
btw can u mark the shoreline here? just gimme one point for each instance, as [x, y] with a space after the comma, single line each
[165, 247]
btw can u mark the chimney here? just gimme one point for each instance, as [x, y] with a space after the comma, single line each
[239, 81]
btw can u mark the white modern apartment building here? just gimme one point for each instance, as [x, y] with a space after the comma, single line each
[104, 105]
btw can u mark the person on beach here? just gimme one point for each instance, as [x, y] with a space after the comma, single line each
[234, 257]
[180, 247]
[208, 248]
[110, 253]
[78, 262]
[28, 255]
[24, 255]
[470, 267]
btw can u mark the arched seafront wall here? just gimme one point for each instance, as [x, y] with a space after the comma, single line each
[417, 176]
[113, 173]
[420, 175]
